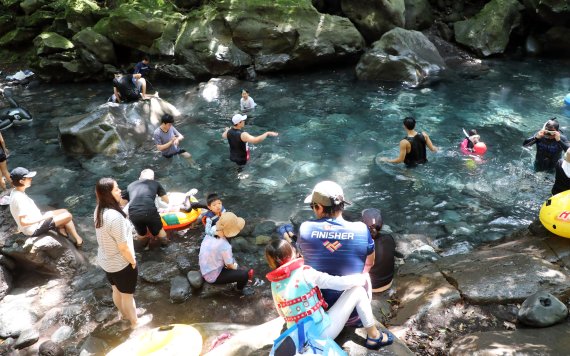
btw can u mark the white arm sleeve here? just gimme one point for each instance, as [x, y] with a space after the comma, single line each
[326, 281]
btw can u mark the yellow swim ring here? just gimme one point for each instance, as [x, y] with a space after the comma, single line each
[167, 340]
[555, 214]
[179, 220]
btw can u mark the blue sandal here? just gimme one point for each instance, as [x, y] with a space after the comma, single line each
[285, 228]
[378, 343]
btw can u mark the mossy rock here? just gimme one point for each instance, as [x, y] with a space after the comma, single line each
[31, 6]
[133, 27]
[488, 32]
[50, 42]
[373, 18]
[38, 19]
[6, 24]
[97, 44]
[18, 36]
[12, 5]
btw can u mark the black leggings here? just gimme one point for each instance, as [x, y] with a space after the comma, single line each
[233, 275]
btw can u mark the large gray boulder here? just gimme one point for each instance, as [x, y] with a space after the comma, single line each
[373, 18]
[47, 254]
[488, 32]
[51, 42]
[134, 26]
[97, 44]
[273, 36]
[542, 309]
[401, 56]
[113, 128]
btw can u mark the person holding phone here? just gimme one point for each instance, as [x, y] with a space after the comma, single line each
[550, 143]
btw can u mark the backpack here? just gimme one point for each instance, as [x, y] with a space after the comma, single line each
[299, 340]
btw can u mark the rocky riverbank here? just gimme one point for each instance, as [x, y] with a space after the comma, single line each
[437, 305]
[81, 40]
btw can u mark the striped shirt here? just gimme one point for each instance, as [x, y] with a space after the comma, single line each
[116, 229]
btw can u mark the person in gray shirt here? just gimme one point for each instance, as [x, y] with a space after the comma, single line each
[167, 140]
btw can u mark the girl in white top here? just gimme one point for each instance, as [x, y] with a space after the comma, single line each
[116, 254]
[246, 102]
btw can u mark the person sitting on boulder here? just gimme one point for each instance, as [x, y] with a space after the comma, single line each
[128, 88]
[562, 174]
[217, 263]
[28, 217]
[296, 290]
[382, 273]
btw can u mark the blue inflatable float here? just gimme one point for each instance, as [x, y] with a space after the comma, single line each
[567, 100]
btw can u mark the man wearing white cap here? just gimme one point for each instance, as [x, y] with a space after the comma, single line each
[30, 220]
[331, 244]
[238, 139]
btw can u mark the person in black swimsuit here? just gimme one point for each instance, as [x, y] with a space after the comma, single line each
[238, 139]
[413, 146]
[550, 144]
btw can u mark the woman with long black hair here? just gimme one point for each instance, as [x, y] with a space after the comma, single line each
[116, 254]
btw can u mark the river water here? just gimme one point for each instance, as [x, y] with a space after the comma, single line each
[330, 127]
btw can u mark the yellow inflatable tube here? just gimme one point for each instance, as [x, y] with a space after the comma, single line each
[167, 340]
[179, 220]
[555, 214]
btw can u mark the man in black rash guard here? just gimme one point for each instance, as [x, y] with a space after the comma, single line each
[413, 146]
[238, 139]
[550, 144]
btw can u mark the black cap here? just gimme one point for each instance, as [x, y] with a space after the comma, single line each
[372, 217]
[19, 173]
[167, 119]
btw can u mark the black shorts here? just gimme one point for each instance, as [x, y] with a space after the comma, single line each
[125, 280]
[150, 221]
[2, 156]
[174, 154]
[46, 226]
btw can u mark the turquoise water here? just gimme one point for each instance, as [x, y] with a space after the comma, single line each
[330, 127]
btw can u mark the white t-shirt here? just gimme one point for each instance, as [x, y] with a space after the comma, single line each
[246, 105]
[116, 229]
[22, 205]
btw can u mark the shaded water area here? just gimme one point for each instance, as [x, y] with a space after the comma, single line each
[330, 127]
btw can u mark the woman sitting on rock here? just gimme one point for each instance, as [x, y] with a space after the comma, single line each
[217, 263]
[297, 295]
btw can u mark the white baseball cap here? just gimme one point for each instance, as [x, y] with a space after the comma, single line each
[327, 193]
[238, 118]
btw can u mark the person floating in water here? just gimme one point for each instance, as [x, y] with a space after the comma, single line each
[246, 102]
[238, 139]
[562, 174]
[473, 146]
[550, 144]
[413, 146]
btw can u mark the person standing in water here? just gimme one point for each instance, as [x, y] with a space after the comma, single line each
[246, 102]
[413, 146]
[550, 144]
[238, 139]
[167, 140]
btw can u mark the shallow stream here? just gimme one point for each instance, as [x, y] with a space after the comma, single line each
[330, 127]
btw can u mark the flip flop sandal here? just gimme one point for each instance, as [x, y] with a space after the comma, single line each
[378, 343]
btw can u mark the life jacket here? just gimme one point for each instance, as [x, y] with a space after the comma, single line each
[211, 215]
[294, 298]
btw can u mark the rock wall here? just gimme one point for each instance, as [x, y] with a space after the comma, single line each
[80, 40]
